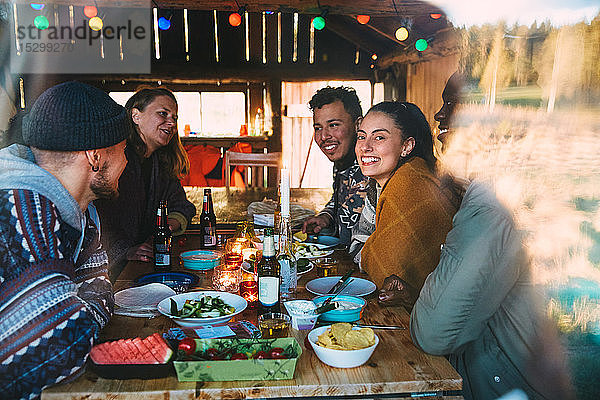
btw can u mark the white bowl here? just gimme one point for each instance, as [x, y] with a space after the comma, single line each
[237, 302]
[340, 358]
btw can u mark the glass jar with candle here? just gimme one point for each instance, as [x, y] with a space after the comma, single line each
[249, 286]
[237, 245]
[228, 275]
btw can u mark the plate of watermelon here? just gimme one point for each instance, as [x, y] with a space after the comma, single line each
[133, 358]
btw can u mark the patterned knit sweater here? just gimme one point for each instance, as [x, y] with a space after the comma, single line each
[346, 203]
[51, 308]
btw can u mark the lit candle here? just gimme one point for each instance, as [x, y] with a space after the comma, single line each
[285, 192]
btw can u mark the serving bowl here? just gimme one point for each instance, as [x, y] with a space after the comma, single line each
[342, 314]
[237, 302]
[340, 358]
[200, 260]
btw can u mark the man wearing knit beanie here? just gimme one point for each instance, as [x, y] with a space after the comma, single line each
[56, 296]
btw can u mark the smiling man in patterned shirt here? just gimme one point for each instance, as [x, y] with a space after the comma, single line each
[335, 115]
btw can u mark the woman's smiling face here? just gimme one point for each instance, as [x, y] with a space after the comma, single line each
[157, 123]
[379, 146]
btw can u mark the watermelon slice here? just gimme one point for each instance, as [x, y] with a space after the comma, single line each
[159, 348]
[151, 350]
[146, 355]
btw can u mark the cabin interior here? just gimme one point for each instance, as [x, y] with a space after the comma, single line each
[247, 87]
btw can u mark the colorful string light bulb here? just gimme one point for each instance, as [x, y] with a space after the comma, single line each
[363, 19]
[90, 11]
[318, 23]
[421, 45]
[41, 22]
[164, 24]
[235, 19]
[96, 23]
[401, 33]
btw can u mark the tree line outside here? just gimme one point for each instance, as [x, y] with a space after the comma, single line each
[538, 65]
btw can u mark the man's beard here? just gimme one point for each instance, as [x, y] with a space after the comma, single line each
[101, 187]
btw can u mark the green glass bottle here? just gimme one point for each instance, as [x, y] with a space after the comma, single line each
[269, 278]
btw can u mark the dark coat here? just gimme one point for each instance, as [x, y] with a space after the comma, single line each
[129, 220]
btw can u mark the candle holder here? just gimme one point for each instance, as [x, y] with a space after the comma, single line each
[237, 245]
[249, 288]
[228, 275]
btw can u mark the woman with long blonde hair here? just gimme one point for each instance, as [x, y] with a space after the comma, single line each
[156, 161]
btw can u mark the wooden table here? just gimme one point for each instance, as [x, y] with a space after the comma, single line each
[396, 369]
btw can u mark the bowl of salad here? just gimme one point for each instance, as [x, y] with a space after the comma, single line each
[202, 308]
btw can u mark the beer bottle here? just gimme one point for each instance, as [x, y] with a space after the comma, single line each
[208, 222]
[162, 239]
[268, 275]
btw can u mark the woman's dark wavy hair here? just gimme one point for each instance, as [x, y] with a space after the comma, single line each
[173, 156]
[412, 123]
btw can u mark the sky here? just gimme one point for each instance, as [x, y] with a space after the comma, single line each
[477, 12]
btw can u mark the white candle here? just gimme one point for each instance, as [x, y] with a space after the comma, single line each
[285, 192]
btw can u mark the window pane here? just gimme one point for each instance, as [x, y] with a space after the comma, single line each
[223, 113]
[188, 104]
[207, 113]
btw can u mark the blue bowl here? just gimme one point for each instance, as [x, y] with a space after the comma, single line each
[200, 260]
[342, 315]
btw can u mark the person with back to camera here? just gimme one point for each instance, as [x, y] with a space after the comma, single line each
[414, 208]
[336, 112]
[156, 160]
[478, 307]
[55, 295]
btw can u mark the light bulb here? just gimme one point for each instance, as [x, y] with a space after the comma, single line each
[235, 19]
[402, 34]
[96, 23]
[318, 23]
[163, 24]
[421, 44]
[363, 19]
[90, 11]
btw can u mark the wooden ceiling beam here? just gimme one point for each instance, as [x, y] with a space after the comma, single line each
[444, 43]
[373, 8]
[356, 34]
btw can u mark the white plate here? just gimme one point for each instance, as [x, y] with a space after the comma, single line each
[311, 265]
[323, 251]
[358, 287]
[237, 302]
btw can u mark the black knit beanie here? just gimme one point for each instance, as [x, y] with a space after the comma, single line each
[74, 116]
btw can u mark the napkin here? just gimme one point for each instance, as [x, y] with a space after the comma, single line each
[141, 301]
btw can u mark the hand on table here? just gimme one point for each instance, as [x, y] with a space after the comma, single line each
[396, 292]
[141, 252]
[316, 224]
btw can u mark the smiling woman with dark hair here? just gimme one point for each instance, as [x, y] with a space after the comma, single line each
[415, 208]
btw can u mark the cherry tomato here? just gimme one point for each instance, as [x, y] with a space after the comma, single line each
[276, 353]
[239, 356]
[212, 354]
[187, 345]
[261, 355]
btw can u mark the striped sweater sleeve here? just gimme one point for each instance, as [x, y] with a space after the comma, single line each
[51, 309]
